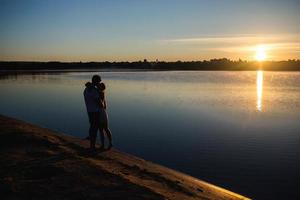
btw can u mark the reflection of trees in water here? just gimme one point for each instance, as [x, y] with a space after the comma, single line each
[212, 64]
[32, 77]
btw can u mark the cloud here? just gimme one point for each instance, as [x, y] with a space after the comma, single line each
[238, 43]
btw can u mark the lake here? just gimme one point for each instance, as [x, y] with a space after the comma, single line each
[238, 130]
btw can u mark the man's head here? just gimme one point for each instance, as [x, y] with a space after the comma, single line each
[96, 79]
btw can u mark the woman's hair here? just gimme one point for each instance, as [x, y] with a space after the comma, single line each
[88, 84]
[102, 86]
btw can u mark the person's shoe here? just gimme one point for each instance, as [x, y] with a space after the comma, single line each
[91, 151]
[109, 146]
[101, 147]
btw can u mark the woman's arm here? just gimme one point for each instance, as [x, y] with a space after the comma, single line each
[104, 103]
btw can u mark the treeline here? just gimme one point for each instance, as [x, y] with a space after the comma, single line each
[213, 64]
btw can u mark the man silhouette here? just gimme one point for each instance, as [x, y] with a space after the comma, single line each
[92, 98]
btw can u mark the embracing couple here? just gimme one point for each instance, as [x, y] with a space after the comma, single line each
[94, 98]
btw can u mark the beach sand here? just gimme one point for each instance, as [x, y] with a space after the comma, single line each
[38, 163]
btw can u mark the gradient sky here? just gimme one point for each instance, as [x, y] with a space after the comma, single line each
[128, 30]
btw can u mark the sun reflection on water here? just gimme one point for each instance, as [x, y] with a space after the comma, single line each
[259, 89]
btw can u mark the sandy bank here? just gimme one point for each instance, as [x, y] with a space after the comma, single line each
[37, 163]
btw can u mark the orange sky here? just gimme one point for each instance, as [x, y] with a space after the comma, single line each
[136, 30]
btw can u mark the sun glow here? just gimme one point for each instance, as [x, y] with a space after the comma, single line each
[260, 53]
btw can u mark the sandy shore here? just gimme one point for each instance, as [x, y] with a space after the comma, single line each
[37, 163]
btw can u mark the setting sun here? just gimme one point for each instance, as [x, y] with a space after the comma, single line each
[260, 54]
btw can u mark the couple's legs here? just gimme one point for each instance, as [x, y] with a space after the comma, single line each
[108, 133]
[104, 128]
[99, 122]
[94, 125]
[101, 136]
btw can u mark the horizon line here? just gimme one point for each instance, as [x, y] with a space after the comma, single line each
[150, 61]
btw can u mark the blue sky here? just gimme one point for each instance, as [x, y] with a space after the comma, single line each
[117, 30]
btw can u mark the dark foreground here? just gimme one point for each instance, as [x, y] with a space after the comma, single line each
[37, 163]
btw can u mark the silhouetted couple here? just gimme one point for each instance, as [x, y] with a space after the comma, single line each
[94, 98]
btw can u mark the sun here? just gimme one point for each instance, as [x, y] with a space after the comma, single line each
[260, 53]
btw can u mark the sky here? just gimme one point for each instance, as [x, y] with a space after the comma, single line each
[131, 30]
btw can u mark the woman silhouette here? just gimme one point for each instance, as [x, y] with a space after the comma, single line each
[103, 118]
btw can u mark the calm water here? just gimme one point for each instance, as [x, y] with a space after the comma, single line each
[238, 130]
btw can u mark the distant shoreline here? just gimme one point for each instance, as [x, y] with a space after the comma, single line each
[4, 73]
[222, 64]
